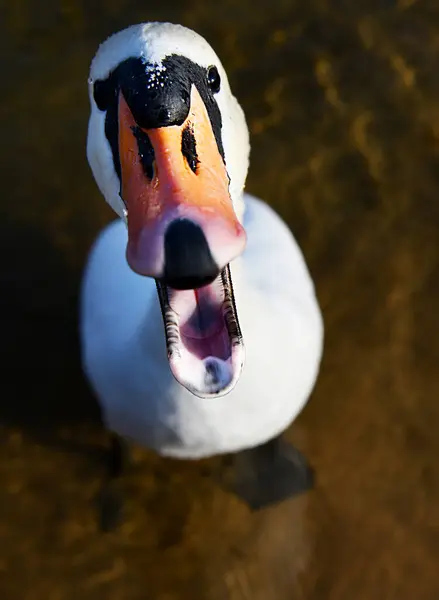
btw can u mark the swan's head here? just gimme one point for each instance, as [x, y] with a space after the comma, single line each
[168, 147]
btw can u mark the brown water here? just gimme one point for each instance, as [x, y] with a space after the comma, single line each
[342, 100]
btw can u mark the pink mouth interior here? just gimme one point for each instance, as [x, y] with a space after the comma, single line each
[202, 326]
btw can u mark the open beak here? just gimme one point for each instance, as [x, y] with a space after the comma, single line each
[183, 232]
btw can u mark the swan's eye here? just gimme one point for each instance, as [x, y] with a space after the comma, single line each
[146, 151]
[213, 79]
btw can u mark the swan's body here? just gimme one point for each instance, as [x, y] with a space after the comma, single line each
[125, 353]
[123, 342]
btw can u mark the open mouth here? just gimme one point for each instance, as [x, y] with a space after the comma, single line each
[203, 336]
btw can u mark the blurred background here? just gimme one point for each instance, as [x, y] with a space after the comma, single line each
[342, 101]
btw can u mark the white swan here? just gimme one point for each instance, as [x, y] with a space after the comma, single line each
[168, 147]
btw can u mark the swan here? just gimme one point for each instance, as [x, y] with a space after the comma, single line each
[200, 330]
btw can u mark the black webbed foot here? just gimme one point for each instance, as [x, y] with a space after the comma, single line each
[269, 474]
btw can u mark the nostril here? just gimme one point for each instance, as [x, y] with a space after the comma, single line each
[188, 261]
[189, 148]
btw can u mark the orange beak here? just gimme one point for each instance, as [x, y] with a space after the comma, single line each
[181, 222]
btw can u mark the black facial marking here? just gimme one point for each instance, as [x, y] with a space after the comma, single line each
[106, 97]
[146, 151]
[189, 148]
[157, 96]
[103, 92]
[187, 73]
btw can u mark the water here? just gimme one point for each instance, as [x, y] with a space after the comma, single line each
[342, 103]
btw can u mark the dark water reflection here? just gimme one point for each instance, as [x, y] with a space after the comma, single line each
[342, 103]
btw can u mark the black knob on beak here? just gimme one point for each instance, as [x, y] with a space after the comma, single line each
[188, 261]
